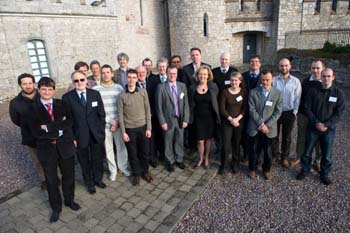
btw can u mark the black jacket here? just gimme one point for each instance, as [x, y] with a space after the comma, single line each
[214, 92]
[324, 106]
[248, 81]
[18, 108]
[188, 74]
[306, 86]
[220, 78]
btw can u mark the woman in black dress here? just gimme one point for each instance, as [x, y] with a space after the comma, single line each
[204, 112]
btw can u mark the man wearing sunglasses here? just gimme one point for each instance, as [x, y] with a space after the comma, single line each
[88, 113]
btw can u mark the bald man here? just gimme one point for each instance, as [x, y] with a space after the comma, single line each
[324, 106]
[290, 88]
[222, 73]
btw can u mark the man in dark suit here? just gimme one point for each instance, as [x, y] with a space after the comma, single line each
[190, 69]
[176, 60]
[251, 80]
[222, 73]
[88, 113]
[50, 124]
[147, 63]
[173, 114]
[265, 107]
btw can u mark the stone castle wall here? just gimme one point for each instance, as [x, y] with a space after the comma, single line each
[74, 32]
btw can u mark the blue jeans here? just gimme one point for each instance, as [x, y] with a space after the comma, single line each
[326, 143]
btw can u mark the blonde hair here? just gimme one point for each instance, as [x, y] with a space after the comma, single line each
[204, 67]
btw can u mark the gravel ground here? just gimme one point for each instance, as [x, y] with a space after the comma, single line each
[235, 203]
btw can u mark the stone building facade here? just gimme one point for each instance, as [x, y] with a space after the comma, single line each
[49, 36]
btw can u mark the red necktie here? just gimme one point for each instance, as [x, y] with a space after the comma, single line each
[49, 110]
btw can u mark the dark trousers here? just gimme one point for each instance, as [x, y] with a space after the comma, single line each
[245, 139]
[138, 150]
[156, 142]
[91, 163]
[286, 122]
[68, 184]
[326, 144]
[231, 139]
[260, 143]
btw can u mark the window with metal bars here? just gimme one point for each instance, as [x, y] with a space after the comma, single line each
[38, 59]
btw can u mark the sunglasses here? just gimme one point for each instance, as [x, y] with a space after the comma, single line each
[77, 80]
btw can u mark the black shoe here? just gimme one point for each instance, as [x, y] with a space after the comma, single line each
[91, 189]
[153, 164]
[181, 165]
[234, 169]
[221, 170]
[100, 184]
[73, 205]
[326, 180]
[55, 216]
[301, 175]
[170, 167]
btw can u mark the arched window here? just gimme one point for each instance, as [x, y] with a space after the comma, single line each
[318, 7]
[38, 59]
[334, 5]
[241, 3]
[205, 25]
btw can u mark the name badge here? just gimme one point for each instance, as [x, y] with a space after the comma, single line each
[239, 98]
[269, 103]
[94, 104]
[332, 99]
[227, 82]
[182, 95]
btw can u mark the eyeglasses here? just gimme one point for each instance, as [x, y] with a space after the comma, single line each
[77, 80]
[176, 61]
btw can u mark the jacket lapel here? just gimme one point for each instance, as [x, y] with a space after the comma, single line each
[167, 88]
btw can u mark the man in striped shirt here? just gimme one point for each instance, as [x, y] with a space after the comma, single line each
[110, 93]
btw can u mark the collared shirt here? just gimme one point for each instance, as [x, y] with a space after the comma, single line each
[163, 78]
[313, 79]
[171, 85]
[142, 84]
[254, 75]
[123, 74]
[291, 92]
[224, 69]
[265, 92]
[44, 102]
[79, 92]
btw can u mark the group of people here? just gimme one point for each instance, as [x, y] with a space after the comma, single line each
[135, 119]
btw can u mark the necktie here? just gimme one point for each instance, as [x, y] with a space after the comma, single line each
[82, 99]
[224, 71]
[49, 110]
[143, 85]
[253, 75]
[162, 79]
[176, 105]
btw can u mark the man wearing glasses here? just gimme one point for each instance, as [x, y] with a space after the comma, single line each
[88, 113]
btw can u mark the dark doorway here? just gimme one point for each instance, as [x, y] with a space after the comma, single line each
[249, 46]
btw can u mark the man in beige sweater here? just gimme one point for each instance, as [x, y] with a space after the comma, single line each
[135, 122]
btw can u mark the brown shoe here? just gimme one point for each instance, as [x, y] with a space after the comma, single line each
[285, 163]
[294, 162]
[267, 175]
[316, 167]
[252, 175]
[147, 177]
[136, 181]
[43, 186]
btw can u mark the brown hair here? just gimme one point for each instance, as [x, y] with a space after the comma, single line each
[204, 67]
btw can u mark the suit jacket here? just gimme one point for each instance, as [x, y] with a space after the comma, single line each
[188, 74]
[165, 103]
[117, 77]
[222, 80]
[151, 86]
[38, 116]
[246, 80]
[263, 110]
[87, 120]
[213, 91]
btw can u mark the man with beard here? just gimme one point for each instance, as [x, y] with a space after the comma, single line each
[18, 108]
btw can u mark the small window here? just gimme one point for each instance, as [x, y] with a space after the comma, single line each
[318, 7]
[141, 13]
[205, 25]
[38, 59]
[241, 4]
[334, 5]
[258, 5]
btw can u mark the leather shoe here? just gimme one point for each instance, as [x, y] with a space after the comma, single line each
[181, 165]
[170, 167]
[294, 162]
[136, 181]
[316, 167]
[326, 180]
[147, 177]
[252, 175]
[267, 175]
[221, 171]
[153, 164]
[43, 186]
[301, 175]
[91, 189]
[100, 184]
[73, 206]
[55, 216]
